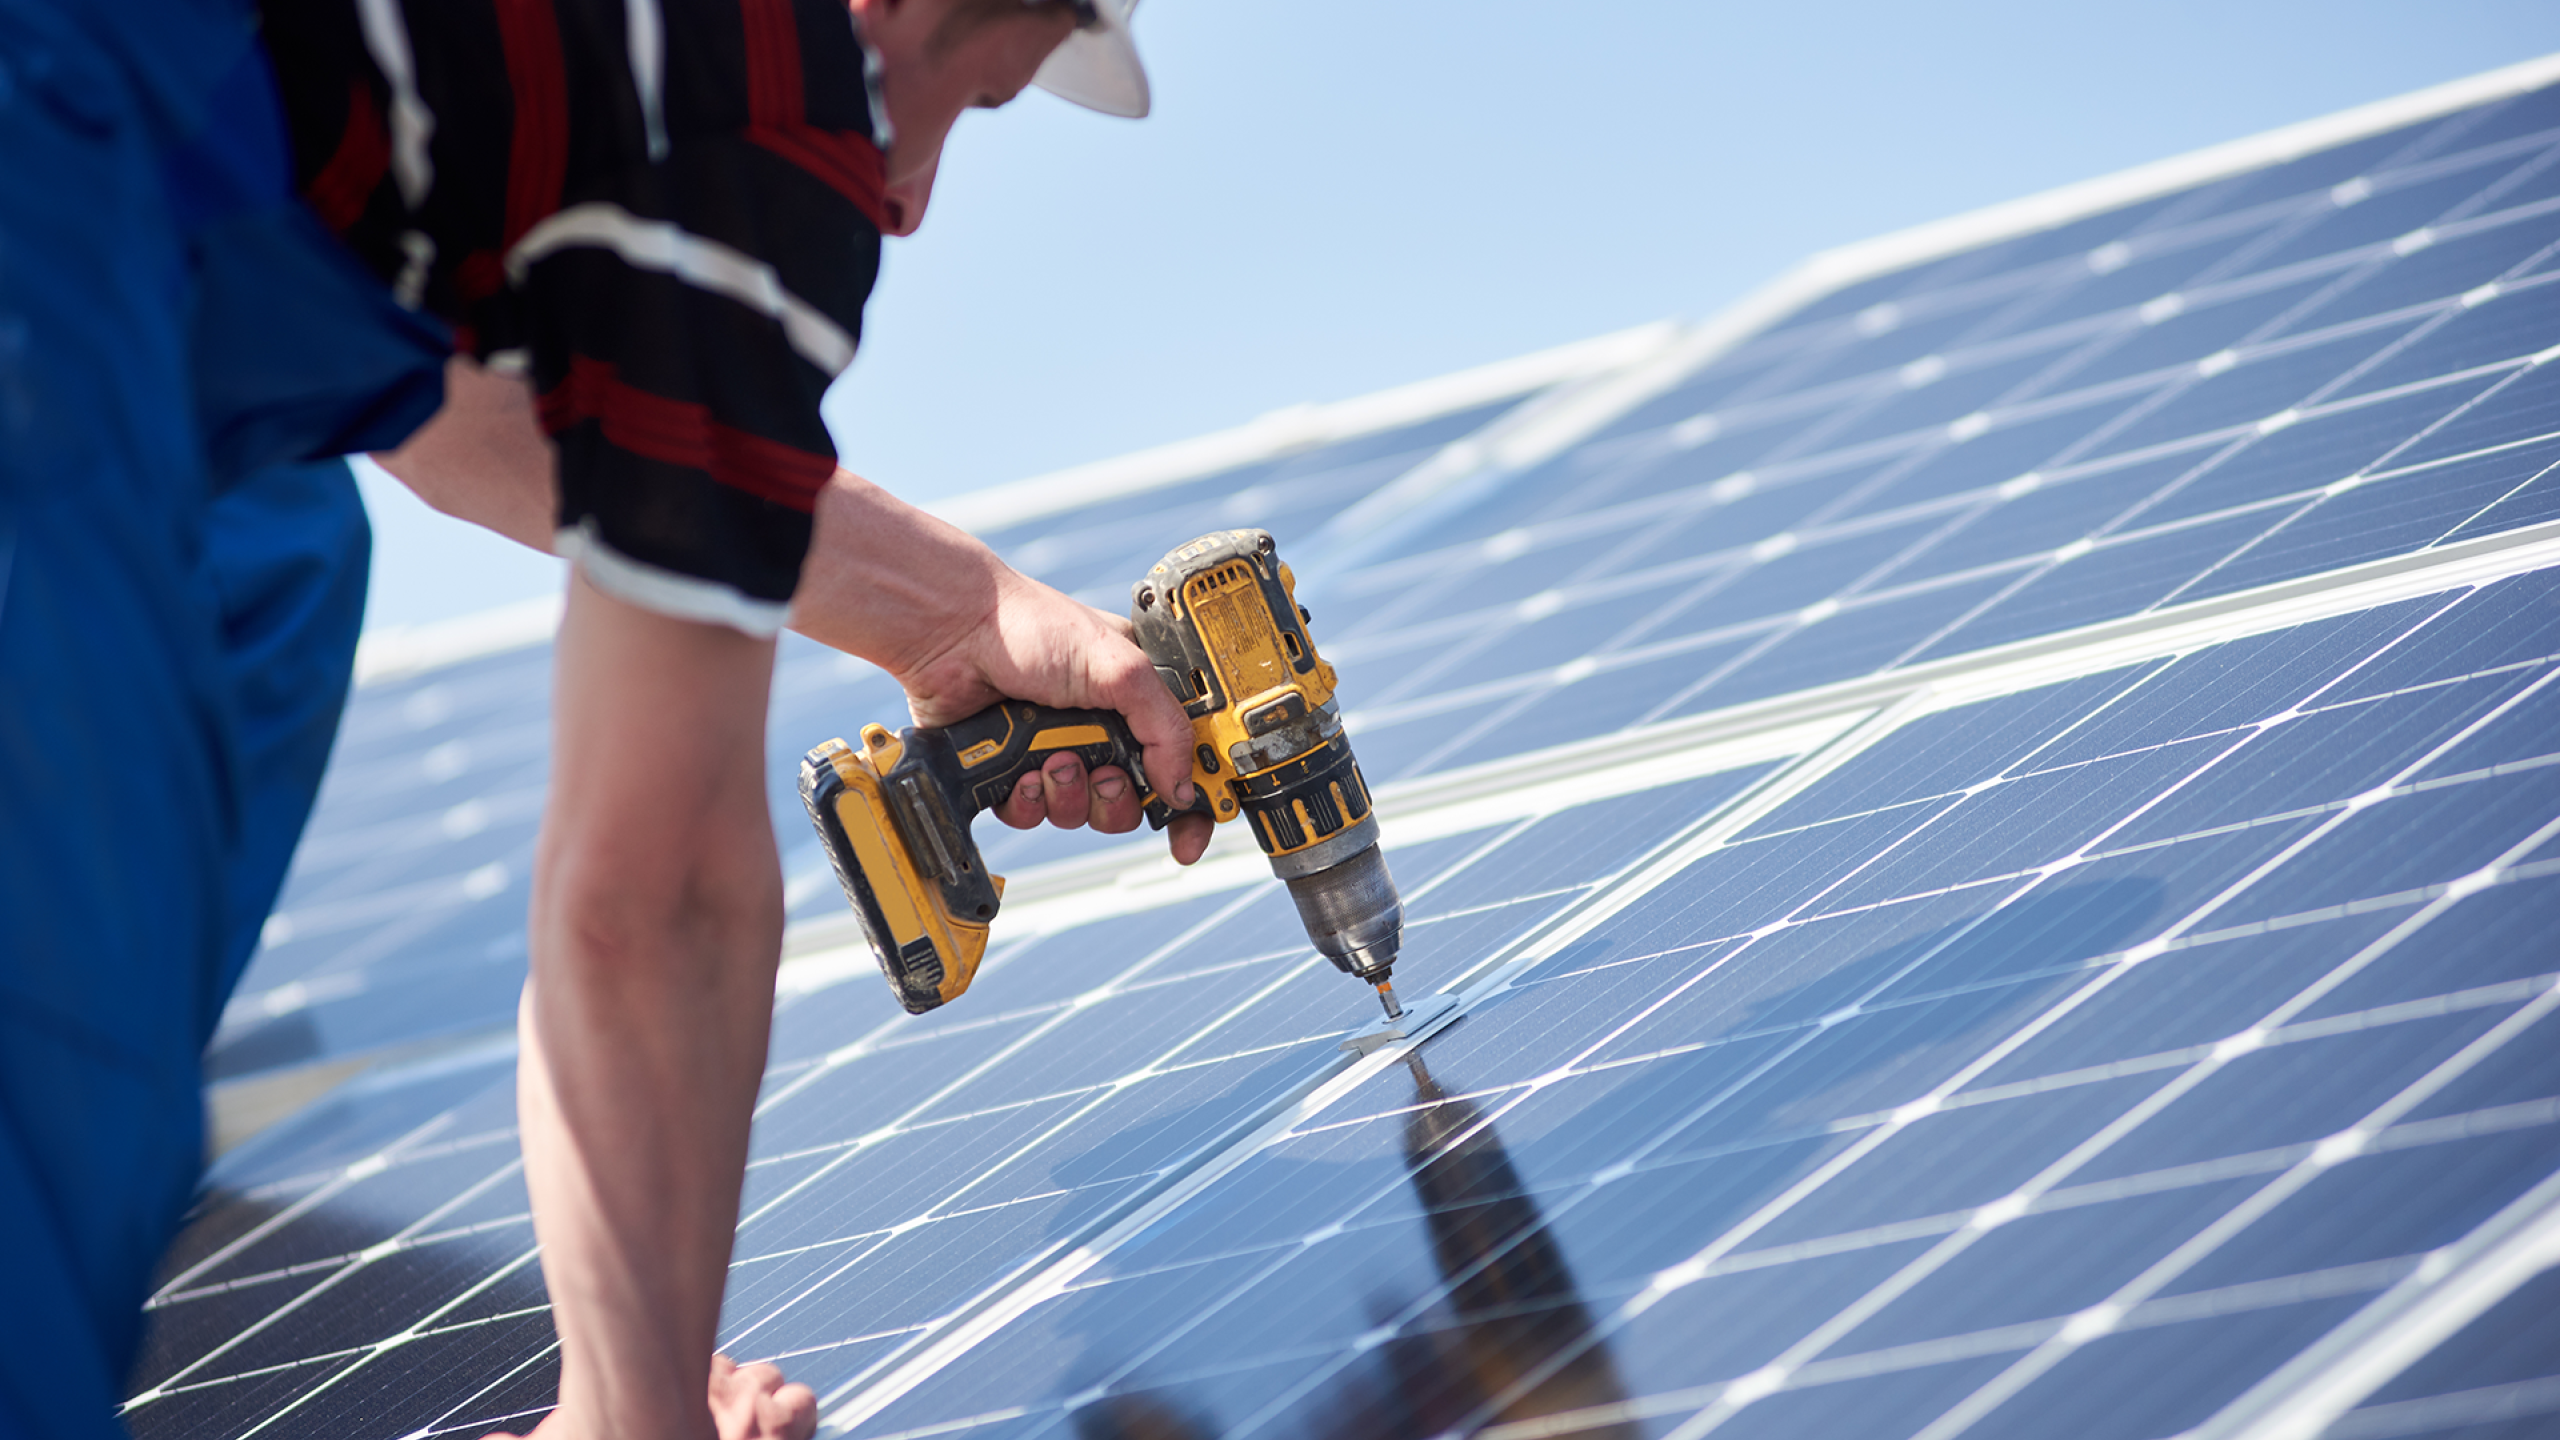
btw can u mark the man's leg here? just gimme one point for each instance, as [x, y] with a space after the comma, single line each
[114, 761]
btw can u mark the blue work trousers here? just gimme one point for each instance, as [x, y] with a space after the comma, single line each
[174, 652]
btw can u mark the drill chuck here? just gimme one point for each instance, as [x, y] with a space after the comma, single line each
[1352, 913]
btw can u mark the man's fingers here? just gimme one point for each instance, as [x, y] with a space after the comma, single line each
[1130, 686]
[1024, 808]
[751, 1402]
[1115, 808]
[791, 1413]
[764, 1375]
[1069, 796]
[1188, 835]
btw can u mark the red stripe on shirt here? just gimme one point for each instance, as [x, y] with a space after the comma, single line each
[678, 432]
[342, 187]
[773, 62]
[479, 275]
[538, 146]
[844, 160]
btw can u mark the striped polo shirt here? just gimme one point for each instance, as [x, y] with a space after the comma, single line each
[664, 214]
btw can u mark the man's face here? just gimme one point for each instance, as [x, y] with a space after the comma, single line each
[928, 75]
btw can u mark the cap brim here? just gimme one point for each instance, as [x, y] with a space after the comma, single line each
[1098, 68]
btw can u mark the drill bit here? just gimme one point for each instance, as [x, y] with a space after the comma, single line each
[1387, 997]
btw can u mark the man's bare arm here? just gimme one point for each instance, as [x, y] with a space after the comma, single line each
[657, 926]
[920, 598]
[483, 458]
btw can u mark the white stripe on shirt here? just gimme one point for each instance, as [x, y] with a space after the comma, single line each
[386, 37]
[665, 592]
[645, 35]
[664, 247]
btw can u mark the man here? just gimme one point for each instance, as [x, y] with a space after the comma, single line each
[649, 226]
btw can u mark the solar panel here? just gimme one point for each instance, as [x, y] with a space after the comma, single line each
[1994, 832]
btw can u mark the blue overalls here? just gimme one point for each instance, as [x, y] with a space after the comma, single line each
[179, 600]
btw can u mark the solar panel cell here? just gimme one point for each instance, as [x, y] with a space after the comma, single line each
[2178, 327]
[2292, 1090]
[2393, 1203]
[2511, 1342]
[2396, 515]
[2148, 266]
[2534, 502]
[1792, 1295]
[1616, 694]
[2254, 386]
[1819, 646]
[2516, 321]
[2531, 113]
[2333, 166]
[233, 1406]
[2410, 841]
[2392, 209]
[2065, 1255]
[2108, 1389]
[2076, 586]
[2523, 406]
[2455, 260]
[2516, 1086]
[2007, 446]
[2324, 758]
[2187, 998]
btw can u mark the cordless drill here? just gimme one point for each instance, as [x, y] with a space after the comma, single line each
[1219, 618]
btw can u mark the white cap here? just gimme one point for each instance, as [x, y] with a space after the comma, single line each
[1097, 66]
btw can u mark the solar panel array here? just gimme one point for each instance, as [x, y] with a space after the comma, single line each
[2031, 913]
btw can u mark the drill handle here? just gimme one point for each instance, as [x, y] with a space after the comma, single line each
[994, 748]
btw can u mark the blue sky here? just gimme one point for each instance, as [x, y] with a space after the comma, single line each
[1335, 196]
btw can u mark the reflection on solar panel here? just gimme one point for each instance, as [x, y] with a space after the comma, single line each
[1993, 821]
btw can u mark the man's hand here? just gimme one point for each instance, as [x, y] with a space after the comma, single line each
[748, 1402]
[961, 630]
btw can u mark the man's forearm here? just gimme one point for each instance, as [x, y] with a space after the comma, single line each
[656, 929]
[889, 582]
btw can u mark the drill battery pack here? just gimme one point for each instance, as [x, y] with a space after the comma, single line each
[849, 805]
[894, 813]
